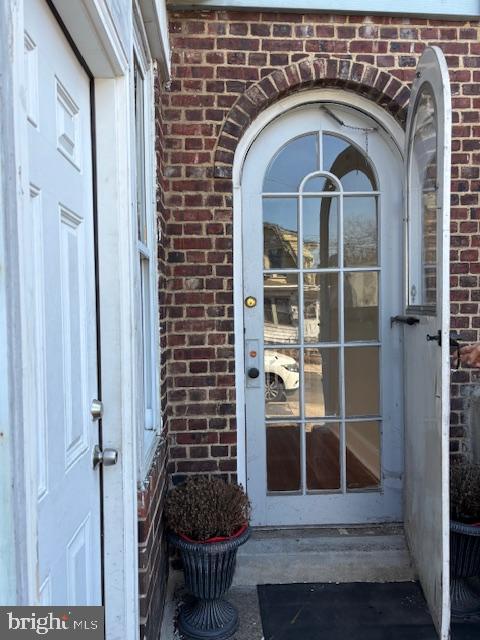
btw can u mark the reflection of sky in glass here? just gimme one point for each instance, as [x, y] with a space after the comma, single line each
[281, 211]
[353, 169]
[319, 183]
[292, 163]
[332, 148]
[356, 181]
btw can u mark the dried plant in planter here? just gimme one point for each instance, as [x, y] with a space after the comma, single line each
[203, 508]
[464, 538]
[465, 492]
[208, 521]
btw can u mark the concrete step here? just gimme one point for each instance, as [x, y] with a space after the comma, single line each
[348, 554]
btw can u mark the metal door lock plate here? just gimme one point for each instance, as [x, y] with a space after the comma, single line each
[96, 409]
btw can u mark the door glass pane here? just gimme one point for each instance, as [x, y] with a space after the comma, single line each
[429, 247]
[280, 305]
[320, 300]
[423, 203]
[280, 235]
[282, 381]
[305, 395]
[360, 229]
[348, 163]
[323, 456]
[319, 183]
[362, 381]
[291, 164]
[283, 457]
[361, 305]
[321, 383]
[320, 232]
[363, 455]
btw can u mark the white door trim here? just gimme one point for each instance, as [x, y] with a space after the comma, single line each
[92, 27]
[116, 247]
[391, 127]
[17, 542]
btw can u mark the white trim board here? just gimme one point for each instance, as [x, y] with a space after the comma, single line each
[155, 19]
[458, 10]
[18, 450]
[116, 248]
[391, 127]
[13, 557]
[92, 27]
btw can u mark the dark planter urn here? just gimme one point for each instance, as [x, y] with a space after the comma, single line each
[464, 569]
[208, 569]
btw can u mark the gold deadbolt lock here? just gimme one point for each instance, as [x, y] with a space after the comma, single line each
[250, 302]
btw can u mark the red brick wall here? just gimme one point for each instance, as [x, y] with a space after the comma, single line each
[227, 66]
[153, 569]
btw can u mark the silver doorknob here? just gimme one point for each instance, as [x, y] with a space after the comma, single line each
[96, 409]
[107, 457]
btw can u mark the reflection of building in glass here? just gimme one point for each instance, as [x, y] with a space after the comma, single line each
[424, 191]
[320, 302]
[429, 249]
[320, 281]
[281, 308]
[281, 248]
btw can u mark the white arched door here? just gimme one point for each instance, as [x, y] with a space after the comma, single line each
[427, 349]
[322, 274]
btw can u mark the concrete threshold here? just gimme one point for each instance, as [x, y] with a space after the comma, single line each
[376, 553]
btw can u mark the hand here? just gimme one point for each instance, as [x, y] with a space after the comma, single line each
[470, 355]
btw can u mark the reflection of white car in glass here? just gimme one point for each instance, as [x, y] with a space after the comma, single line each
[281, 376]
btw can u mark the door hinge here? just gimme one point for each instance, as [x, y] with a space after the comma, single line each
[435, 338]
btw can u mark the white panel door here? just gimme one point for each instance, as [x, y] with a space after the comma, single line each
[427, 353]
[61, 193]
[322, 255]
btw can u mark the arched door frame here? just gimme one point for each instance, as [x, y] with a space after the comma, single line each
[391, 129]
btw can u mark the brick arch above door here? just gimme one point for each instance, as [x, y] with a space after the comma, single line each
[367, 80]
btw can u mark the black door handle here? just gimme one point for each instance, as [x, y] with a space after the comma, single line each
[253, 372]
[455, 338]
[410, 320]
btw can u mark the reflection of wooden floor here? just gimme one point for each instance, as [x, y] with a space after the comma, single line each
[323, 461]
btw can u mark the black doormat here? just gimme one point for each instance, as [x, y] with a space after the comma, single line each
[353, 611]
